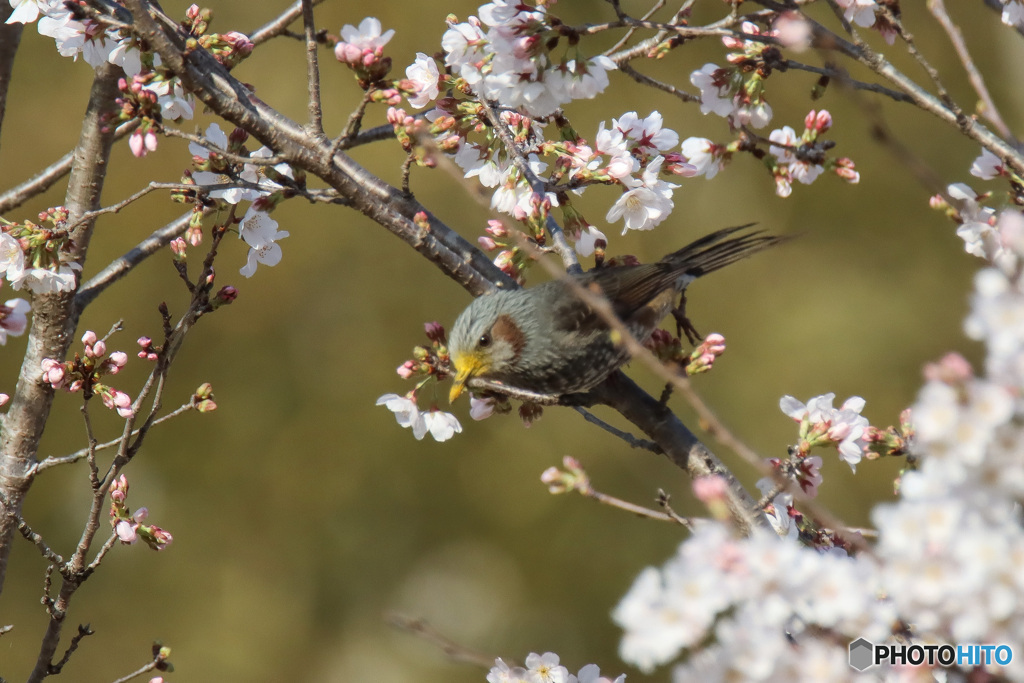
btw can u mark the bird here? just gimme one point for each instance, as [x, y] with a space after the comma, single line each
[545, 340]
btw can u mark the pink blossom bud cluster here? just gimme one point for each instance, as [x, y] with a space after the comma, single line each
[428, 361]
[228, 48]
[362, 50]
[198, 20]
[83, 373]
[571, 478]
[33, 255]
[147, 350]
[805, 158]
[703, 357]
[129, 526]
[408, 130]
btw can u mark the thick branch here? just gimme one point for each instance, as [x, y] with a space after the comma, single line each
[10, 37]
[52, 325]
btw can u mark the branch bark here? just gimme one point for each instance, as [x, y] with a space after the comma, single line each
[52, 322]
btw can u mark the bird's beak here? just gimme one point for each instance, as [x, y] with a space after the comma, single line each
[466, 366]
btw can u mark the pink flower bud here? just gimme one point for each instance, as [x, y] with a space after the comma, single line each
[227, 294]
[709, 489]
[486, 243]
[89, 338]
[406, 369]
[823, 121]
[151, 141]
[496, 228]
[951, 369]
[809, 119]
[4, 398]
[98, 349]
[137, 144]
[551, 475]
[845, 170]
[162, 537]
[118, 359]
[435, 332]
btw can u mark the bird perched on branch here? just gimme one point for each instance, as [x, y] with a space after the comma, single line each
[546, 340]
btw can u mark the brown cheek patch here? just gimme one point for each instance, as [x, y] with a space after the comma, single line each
[505, 328]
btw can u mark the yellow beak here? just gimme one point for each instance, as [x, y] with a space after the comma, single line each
[466, 366]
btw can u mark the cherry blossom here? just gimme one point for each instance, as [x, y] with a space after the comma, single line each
[424, 75]
[260, 232]
[13, 318]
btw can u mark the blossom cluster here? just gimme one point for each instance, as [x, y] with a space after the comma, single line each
[508, 55]
[545, 668]
[35, 255]
[129, 526]
[804, 158]
[230, 183]
[431, 364]
[149, 94]
[772, 607]
[945, 568]
[84, 372]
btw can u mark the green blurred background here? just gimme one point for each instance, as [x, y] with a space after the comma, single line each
[302, 513]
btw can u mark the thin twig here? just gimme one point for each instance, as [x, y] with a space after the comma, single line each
[223, 153]
[989, 110]
[316, 115]
[355, 120]
[633, 508]
[843, 79]
[423, 630]
[117, 269]
[45, 179]
[104, 549]
[663, 500]
[629, 34]
[83, 631]
[38, 542]
[279, 26]
[53, 461]
[562, 246]
[644, 79]
[138, 672]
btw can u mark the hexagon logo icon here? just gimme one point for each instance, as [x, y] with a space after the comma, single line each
[861, 654]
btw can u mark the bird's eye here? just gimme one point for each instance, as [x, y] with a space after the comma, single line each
[485, 340]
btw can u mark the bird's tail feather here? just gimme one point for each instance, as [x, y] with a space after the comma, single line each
[719, 249]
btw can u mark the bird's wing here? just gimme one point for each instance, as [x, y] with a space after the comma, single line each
[628, 288]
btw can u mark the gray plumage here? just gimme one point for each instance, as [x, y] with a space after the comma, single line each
[545, 340]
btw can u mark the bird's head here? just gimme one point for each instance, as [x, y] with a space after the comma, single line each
[486, 341]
